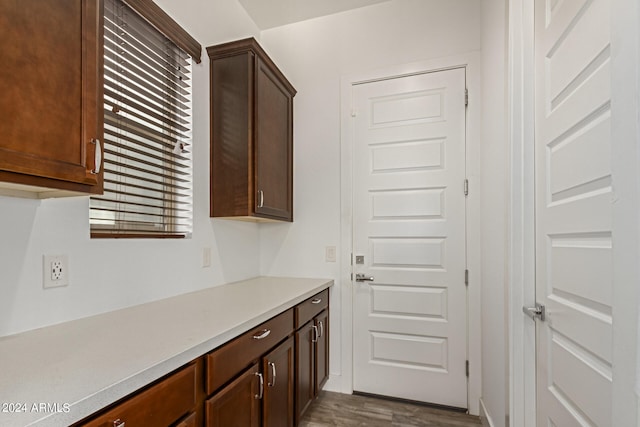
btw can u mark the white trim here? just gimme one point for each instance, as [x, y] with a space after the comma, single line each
[520, 92]
[471, 62]
[485, 418]
[625, 162]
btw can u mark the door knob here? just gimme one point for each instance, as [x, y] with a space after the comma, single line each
[362, 278]
[537, 312]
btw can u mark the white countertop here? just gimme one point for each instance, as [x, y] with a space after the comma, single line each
[79, 367]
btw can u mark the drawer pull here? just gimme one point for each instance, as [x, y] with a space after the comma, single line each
[315, 334]
[260, 386]
[263, 334]
[316, 301]
[96, 168]
[118, 423]
[321, 328]
[273, 375]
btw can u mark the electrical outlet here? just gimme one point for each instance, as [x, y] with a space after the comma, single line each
[55, 271]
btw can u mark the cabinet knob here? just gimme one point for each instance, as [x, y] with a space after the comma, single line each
[263, 334]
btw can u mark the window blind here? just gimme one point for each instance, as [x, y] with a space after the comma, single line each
[147, 132]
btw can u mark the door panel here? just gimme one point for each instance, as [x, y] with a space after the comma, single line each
[409, 225]
[573, 212]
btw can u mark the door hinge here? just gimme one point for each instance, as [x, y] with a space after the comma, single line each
[466, 277]
[466, 368]
[466, 187]
[466, 97]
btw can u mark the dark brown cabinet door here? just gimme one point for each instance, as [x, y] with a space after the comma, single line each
[278, 371]
[273, 160]
[251, 134]
[322, 350]
[51, 85]
[305, 369]
[238, 404]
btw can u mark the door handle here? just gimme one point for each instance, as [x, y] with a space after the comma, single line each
[272, 365]
[260, 386]
[362, 278]
[537, 312]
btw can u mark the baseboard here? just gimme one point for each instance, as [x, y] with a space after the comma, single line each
[334, 383]
[485, 418]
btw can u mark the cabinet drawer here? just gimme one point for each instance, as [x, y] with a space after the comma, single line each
[160, 405]
[306, 310]
[226, 362]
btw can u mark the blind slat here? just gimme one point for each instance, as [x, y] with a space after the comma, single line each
[156, 144]
[147, 183]
[140, 129]
[121, 37]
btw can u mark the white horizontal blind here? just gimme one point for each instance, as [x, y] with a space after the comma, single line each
[147, 132]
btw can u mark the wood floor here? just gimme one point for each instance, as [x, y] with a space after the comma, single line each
[336, 409]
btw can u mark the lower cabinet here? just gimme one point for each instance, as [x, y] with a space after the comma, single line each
[312, 350]
[261, 396]
[266, 377]
[279, 373]
[170, 401]
[238, 403]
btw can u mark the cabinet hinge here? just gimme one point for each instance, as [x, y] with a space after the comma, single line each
[466, 97]
[466, 277]
[466, 368]
[466, 187]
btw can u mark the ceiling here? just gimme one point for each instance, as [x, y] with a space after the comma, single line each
[274, 13]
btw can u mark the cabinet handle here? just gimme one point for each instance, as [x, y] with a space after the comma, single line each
[316, 301]
[321, 328]
[97, 164]
[260, 198]
[118, 423]
[263, 334]
[315, 334]
[260, 386]
[273, 374]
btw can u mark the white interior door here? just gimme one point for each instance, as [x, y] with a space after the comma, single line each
[410, 321]
[573, 212]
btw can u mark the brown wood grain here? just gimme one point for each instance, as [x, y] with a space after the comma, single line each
[51, 85]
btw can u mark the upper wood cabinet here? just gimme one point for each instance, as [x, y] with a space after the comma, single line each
[51, 105]
[251, 134]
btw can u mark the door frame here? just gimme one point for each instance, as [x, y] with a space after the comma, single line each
[625, 168]
[471, 63]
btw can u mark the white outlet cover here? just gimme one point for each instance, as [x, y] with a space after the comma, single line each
[55, 271]
[330, 254]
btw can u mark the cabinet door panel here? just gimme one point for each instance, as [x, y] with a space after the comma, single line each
[51, 83]
[305, 368]
[236, 404]
[278, 371]
[274, 136]
[322, 350]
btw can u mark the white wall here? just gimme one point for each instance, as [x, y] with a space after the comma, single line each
[110, 274]
[495, 152]
[314, 55]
